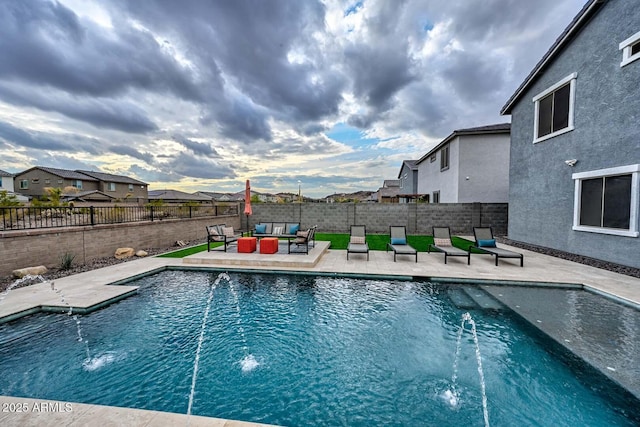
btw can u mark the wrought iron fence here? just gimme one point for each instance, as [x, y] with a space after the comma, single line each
[27, 218]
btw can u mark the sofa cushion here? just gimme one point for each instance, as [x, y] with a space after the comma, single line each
[292, 228]
[261, 228]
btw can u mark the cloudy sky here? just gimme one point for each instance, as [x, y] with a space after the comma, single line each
[203, 94]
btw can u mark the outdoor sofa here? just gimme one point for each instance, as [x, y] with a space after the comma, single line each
[220, 233]
[275, 229]
[302, 241]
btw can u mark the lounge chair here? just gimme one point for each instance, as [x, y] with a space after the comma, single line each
[442, 243]
[486, 243]
[398, 242]
[357, 241]
[221, 234]
[303, 239]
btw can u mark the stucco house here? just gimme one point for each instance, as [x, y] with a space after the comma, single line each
[408, 178]
[32, 182]
[389, 191]
[575, 139]
[470, 165]
[6, 181]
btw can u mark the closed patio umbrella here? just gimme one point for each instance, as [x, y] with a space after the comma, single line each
[247, 202]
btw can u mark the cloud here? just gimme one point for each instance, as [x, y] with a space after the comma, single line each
[204, 93]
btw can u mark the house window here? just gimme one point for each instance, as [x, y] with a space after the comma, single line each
[444, 158]
[606, 201]
[35, 180]
[0, 182]
[432, 158]
[630, 49]
[130, 187]
[77, 184]
[47, 181]
[60, 181]
[24, 184]
[436, 197]
[554, 109]
[111, 186]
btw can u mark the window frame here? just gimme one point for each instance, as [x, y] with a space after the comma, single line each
[111, 186]
[436, 197]
[445, 157]
[627, 46]
[24, 184]
[634, 171]
[571, 80]
[77, 183]
[433, 158]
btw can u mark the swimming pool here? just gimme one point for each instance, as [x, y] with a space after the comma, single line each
[304, 350]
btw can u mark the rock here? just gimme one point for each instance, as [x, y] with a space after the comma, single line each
[122, 253]
[29, 271]
[142, 253]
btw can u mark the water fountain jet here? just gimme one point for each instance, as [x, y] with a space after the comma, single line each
[452, 397]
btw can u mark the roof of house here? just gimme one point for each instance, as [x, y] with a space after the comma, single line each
[176, 195]
[87, 175]
[109, 177]
[565, 38]
[410, 164]
[62, 173]
[391, 183]
[3, 173]
[87, 196]
[479, 130]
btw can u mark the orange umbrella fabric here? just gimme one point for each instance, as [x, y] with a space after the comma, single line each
[247, 200]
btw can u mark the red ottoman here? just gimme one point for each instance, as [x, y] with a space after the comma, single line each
[268, 245]
[246, 245]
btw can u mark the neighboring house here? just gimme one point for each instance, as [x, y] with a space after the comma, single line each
[470, 165]
[575, 140]
[408, 178]
[119, 186]
[32, 182]
[6, 181]
[93, 196]
[177, 197]
[389, 191]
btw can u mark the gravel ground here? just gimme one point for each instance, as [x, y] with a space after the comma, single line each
[55, 273]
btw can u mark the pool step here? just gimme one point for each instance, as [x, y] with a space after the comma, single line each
[482, 299]
[461, 299]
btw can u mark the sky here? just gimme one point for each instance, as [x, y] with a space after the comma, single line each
[200, 95]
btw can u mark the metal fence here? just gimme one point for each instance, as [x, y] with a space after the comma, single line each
[28, 218]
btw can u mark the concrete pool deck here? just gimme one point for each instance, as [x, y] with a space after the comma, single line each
[90, 290]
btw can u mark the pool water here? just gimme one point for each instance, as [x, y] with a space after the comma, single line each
[301, 351]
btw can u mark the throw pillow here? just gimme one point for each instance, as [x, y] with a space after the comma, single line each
[293, 229]
[441, 242]
[261, 228]
[487, 243]
[304, 234]
[357, 240]
[228, 231]
[214, 231]
[277, 230]
[398, 241]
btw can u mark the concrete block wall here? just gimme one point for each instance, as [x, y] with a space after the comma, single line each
[419, 218]
[27, 248]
